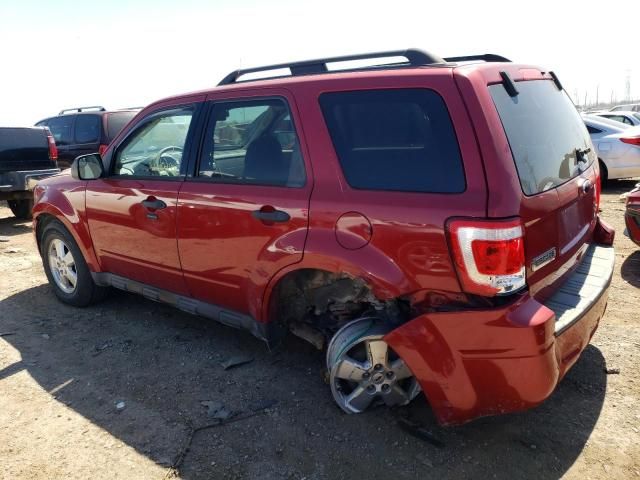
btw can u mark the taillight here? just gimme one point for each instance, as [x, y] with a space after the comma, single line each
[102, 149]
[631, 141]
[488, 255]
[53, 150]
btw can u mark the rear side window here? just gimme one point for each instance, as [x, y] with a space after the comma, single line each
[61, 129]
[116, 122]
[545, 131]
[592, 130]
[87, 128]
[398, 140]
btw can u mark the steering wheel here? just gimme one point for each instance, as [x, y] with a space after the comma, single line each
[165, 160]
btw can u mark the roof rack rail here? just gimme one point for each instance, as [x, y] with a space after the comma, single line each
[414, 58]
[83, 109]
[487, 57]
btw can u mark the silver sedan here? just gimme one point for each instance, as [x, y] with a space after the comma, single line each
[617, 146]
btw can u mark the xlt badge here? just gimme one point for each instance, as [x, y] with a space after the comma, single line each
[543, 259]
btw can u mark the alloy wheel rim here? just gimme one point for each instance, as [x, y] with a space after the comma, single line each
[62, 266]
[365, 371]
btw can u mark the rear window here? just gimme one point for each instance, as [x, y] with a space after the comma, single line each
[544, 130]
[24, 149]
[399, 140]
[116, 122]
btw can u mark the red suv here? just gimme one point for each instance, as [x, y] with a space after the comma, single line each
[433, 223]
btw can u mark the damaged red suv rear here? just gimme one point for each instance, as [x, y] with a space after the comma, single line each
[431, 222]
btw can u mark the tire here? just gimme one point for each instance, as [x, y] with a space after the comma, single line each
[21, 208]
[56, 244]
[604, 175]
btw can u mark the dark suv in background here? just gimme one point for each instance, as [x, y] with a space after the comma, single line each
[79, 131]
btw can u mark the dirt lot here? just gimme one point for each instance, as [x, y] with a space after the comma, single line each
[116, 391]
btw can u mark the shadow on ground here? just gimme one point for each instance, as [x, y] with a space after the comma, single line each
[630, 269]
[10, 226]
[619, 186]
[163, 363]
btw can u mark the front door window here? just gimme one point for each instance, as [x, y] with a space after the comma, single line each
[155, 149]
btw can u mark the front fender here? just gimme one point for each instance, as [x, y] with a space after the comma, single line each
[67, 205]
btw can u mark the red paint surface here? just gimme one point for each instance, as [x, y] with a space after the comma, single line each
[633, 227]
[353, 230]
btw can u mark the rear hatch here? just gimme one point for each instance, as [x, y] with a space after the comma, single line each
[24, 149]
[557, 169]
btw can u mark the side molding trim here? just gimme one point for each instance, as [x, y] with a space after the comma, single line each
[230, 318]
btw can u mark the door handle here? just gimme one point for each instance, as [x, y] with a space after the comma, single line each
[270, 215]
[152, 203]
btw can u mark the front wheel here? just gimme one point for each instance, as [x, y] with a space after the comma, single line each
[21, 208]
[66, 268]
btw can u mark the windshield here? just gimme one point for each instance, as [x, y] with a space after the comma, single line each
[549, 141]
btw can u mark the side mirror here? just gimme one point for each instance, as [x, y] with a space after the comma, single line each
[87, 167]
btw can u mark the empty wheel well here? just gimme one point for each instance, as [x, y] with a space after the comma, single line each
[314, 304]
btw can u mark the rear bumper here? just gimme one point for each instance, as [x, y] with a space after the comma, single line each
[23, 181]
[487, 362]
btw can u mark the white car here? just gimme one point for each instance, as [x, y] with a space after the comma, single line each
[633, 107]
[617, 146]
[626, 117]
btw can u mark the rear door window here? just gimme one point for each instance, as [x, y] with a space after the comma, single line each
[545, 132]
[61, 129]
[252, 142]
[87, 128]
[398, 140]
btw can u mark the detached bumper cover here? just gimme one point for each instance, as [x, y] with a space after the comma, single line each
[487, 362]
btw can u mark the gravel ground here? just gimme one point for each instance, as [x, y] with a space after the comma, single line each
[116, 391]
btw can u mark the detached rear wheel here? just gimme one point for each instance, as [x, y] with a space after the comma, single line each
[21, 208]
[365, 371]
[66, 268]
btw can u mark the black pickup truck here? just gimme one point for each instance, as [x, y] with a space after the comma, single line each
[26, 156]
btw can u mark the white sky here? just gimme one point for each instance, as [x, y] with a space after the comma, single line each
[57, 54]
